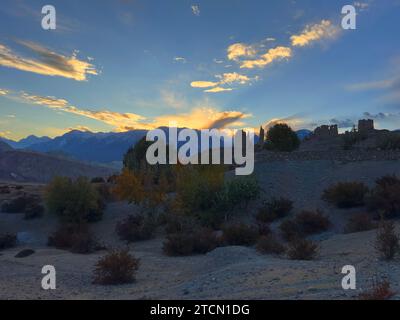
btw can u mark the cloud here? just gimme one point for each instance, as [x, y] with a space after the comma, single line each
[195, 10]
[324, 29]
[278, 53]
[5, 134]
[173, 99]
[218, 89]
[203, 118]
[344, 123]
[238, 50]
[294, 121]
[3, 92]
[47, 62]
[362, 6]
[203, 84]
[228, 78]
[79, 128]
[180, 59]
[373, 85]
[200, 117]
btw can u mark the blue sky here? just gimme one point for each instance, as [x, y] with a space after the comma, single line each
[121, 65]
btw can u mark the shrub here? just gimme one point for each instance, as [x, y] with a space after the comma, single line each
[282, 138]
[211, 219]
[352, 138]
[75, 238]
[74, 201]
[135, 157]
[270, 245]
[189, 243]
[389, 141]
[274, 209]
[34, 211]
[5, 190]
[97, 180]
[312, 222]
[8, 241]
[117, 267]
[135, 228]
[179, 224]
[263, 229]
[359, 222]
[385, 197]
[304, 224]
[240, 235]
[346, 194]
[302, 249]
[379, 291]
[18, 205]
[387, 241]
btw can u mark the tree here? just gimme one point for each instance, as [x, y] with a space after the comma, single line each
[135, 157]
[281, 137]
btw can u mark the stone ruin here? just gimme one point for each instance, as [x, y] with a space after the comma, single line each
[365, 126]
[326, 131]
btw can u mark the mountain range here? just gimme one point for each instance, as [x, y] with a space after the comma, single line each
[100, 147]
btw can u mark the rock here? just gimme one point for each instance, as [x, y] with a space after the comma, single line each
[24, 253]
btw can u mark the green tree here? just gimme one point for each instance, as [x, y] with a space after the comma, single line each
[281, 137]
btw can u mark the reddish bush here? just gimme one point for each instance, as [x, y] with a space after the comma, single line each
[346, 194]
[270, 245]
[302, 249]
[387, 241]
[75, 238]
[274, 209]
[304, 224]
[240, 235]
[359, 223]
[379, 291]
[135, 228]
[385, 197]
[189, 243]
[117, 267]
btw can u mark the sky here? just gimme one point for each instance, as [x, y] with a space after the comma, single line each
[118, 65]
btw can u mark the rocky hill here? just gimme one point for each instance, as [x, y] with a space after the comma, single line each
[18, 165]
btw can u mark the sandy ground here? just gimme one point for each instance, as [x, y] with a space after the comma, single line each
[225, 273]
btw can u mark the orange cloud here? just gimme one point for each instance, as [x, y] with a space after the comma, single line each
[47, 62]
[269, 57]
[324, 29]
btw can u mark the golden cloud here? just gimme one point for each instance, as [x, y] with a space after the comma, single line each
[47, 63]
[3, 92]
[218, 89]
[198, 118]
[324, 29]
[238, 50]
[203, 84]
[269, 57]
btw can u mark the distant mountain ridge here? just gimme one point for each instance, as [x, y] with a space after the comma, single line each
[99, 147]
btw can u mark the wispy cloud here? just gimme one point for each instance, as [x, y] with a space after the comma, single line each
[3, 92]
[201, 116]
[228, 78]
[180, 59]
[323, 30]
[47, 62]
[239, 50]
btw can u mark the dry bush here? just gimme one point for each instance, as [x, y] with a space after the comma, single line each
[346, 194]
[385, 197]
[75, 238]
[312, 222]
[136, 228]
[34, 211]
[387, 241]
[274, 209]
[360, 222]
[304, 224]
[240, 235]
[263, 229]
[270, 245]
[117, 267]
[8, 241]
[20, 204]
[97, 180]
[379, 291]
[179, 223]
[302, 249]
[190, 243]
[5, 190]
